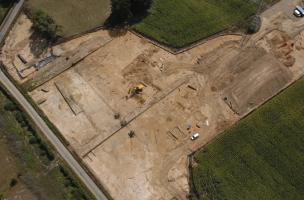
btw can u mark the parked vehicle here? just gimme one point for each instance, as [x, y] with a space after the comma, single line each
[298, 11]
[194, 136]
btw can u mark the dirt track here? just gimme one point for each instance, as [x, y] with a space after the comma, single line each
[204, 90]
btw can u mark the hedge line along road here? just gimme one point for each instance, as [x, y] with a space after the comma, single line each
[58, 145]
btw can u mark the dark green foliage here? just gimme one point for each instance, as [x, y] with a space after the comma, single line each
[21, 118]
[178, 23]
[254, 25]
[127, 10]
[44, 24]
[261, 157]
[71, 185]
[44, 151]
[63, 171]
[34, 160]
[73, 16]
[33, 140]
[50, 156]
[121, 10]
[33, 137]
[5, 5]
[13, 182]
[139, 6]
[10, 106]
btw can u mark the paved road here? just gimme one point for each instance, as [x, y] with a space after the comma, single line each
[9, 19]
[61, 149]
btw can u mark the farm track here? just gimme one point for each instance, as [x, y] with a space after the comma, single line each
[49, 134]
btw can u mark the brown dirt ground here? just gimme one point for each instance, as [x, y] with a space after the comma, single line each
[206, 90]
[160, 116]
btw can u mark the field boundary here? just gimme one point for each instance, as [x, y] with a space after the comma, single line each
[78, 35]
[151, 40]
[233, 30]
[38, 131]
[163, 46]
[166, 47]
[57, 133]
[191, 156]
[176, 51]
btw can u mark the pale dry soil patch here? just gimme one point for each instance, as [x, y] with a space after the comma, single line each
[206, 90]
[153, 164]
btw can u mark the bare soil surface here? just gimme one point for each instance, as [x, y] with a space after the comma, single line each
[136, 142]
[160, 116]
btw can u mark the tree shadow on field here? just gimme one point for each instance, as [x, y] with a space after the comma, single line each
[117, 31]
[114, 22]
[127, 16]
[38, 44]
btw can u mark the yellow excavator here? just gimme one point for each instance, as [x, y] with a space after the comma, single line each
[136, 90]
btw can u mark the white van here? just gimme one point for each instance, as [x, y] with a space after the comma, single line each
[194, 136]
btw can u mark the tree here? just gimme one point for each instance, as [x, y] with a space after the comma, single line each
[121, 10]
[19, 116]
[10, 106]
[139, 7]
[13, 182]
[254, 25]
[33, 140]
[44, 24]
[126, 10]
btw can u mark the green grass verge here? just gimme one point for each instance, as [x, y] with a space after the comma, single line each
[44, 173]
[178, 23]
[74, 16]
[60, 137]
[262, 157]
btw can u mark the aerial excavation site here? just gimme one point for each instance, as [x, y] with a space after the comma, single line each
[133, 111]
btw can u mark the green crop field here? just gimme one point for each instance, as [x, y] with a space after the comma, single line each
[178, 23]
[74, 16]
[262, 157]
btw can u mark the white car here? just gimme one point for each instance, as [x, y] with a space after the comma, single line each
[298, 11]
[194, 136]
